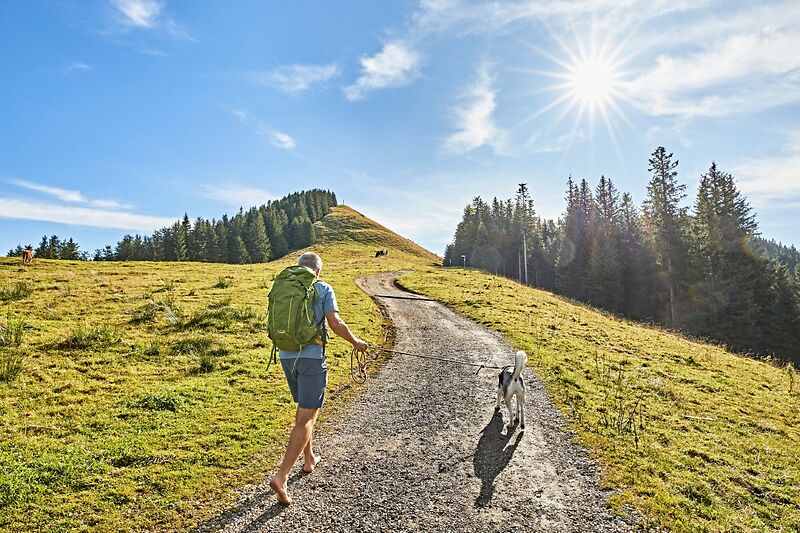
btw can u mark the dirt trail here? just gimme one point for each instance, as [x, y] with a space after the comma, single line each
[421, 449]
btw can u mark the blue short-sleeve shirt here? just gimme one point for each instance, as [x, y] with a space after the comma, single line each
[324, 303]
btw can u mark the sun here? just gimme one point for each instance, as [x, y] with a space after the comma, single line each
[591, 82]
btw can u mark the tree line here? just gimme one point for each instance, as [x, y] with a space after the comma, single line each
[53, 247]
[704, 270]
[257, 235]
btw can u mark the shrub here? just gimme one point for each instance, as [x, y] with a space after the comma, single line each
[18, 291]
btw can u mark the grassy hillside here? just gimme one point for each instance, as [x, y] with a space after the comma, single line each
[142, 394]
[695, 437]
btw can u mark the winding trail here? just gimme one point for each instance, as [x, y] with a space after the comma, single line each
[420, 449]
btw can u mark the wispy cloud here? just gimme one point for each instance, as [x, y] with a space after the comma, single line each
[237, 195]
[474, 120]
[742, 73]
[148, 15]
[394, 66]
[294, 79]
[69, 195]
[276, 138]
[541, 144]
[15, 208]
[774, 181]
[75, 67]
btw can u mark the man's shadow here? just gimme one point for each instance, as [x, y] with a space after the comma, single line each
[492, 456]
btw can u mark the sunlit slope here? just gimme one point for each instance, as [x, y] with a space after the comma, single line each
[345, 225]
[143, 399]
[692, 435]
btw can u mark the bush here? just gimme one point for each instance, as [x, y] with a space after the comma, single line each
[18, 291]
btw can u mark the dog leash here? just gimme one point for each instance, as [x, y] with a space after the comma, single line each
[360, 360]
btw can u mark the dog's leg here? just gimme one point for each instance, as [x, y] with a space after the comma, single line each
[511, 413]
[499, 397]
[521, 407]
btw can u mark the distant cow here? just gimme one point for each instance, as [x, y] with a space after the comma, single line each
[380, 253]
[27, 256]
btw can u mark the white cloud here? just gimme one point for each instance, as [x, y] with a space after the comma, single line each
[147, 15]
[542, 144]
[75, 67]
[16, 208]
[474, 123]
[742, 73]
[772, 181]
[139, 13]
[69, 195]
[295, 78]
[236, 195]
[276, 138]
[394, 66]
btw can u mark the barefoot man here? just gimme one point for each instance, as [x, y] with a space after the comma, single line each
[307, 374]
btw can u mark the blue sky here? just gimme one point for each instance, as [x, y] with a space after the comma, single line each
[119, 116]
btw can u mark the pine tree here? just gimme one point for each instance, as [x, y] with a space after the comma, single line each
[256, 238]
[604, 275]
[664, 218]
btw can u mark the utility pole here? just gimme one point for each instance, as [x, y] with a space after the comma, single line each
[522, 198]
[464, 257]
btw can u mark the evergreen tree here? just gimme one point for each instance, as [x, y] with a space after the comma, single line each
[665, 218]
[256, 238]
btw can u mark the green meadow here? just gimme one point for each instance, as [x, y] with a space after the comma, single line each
[694, 437]
[135, 395]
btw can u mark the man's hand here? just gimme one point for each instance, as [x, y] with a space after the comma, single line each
[359, 345]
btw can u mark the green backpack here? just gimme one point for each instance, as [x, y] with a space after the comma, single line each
[290, 314]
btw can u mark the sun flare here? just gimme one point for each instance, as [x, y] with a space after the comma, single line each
[591, 81]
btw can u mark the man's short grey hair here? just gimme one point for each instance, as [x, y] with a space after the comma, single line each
[310, 260]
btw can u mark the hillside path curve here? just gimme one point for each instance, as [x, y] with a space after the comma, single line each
[421, 449]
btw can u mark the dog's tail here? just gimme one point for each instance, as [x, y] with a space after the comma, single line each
[519, 363]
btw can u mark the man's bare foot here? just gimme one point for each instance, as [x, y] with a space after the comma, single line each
[280, 491]
[309, 466]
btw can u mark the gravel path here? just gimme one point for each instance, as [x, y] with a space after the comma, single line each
[421, 449]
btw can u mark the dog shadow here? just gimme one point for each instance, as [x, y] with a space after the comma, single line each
[492, 455]
[247, 506]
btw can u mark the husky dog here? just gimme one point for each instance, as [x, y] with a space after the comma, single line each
[511, 384]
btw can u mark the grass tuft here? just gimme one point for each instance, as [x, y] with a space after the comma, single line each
[158, 401]
[91, 337]
[10, 364]
[12, 333]
[15, 291]
[223, 282]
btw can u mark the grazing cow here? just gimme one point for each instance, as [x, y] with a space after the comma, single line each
[27, 256]
[380, 253]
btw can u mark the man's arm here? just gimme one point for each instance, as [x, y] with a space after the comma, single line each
[340, 328]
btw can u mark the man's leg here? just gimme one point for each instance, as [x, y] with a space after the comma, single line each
[310, 458]
[299, 439]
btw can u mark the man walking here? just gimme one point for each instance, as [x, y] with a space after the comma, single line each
[307, 375]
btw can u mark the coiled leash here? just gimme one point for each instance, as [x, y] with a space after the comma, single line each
[360, 360]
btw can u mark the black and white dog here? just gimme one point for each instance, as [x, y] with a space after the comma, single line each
[511, 384]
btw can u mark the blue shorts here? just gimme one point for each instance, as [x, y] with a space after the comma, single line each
[307, 380]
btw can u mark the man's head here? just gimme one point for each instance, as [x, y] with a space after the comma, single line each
[310, 260]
